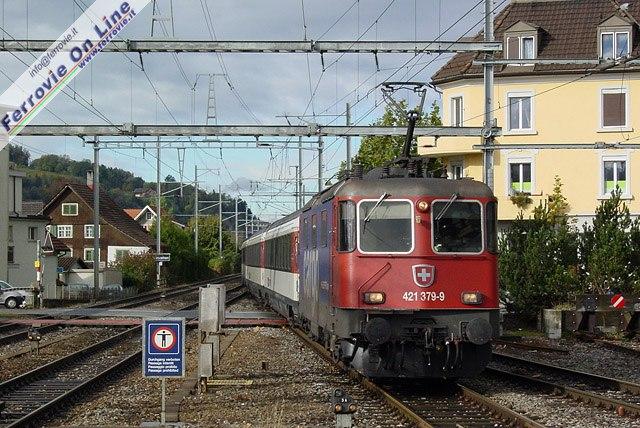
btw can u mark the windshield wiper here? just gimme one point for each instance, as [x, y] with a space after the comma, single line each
[382, 198]
[446, 207]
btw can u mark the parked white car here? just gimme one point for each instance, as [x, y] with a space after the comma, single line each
[11, 297]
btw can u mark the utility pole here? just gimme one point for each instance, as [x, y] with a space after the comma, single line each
[158, 214]
[96, 219]
[195, 209]
[488, 98]
[299, 174]
[39, 270]
[246, 222]
[348, 114]
[220, 219]
[236, 218]
[320, 150]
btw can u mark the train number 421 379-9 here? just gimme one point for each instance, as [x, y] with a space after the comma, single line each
[423, 296]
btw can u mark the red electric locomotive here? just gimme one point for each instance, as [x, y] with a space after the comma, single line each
[395, 273]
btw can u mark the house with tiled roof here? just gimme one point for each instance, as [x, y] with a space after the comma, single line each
[578, 121]
[71, 213]
[146, 217]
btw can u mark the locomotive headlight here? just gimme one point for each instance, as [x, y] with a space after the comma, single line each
[376, 298]
[472, 298]
[422, 206]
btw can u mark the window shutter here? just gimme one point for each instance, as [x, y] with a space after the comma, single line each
[614, 109]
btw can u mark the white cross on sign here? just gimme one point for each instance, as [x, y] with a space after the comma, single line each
[424, 275]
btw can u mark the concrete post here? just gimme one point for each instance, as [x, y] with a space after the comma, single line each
[210, 321]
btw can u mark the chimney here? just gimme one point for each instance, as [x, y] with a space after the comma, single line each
[90, 179]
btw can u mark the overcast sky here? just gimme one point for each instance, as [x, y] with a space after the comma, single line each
[270, 84]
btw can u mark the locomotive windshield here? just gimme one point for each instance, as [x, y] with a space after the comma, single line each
[457, 227]
[385, 226]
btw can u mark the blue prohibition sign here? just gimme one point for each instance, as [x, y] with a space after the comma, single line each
[163, 348]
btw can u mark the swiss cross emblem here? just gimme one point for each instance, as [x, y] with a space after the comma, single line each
[423, 275]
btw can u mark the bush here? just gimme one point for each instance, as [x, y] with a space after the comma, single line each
[538, 257]
[537, 261]
[609, 249]
[138, 270]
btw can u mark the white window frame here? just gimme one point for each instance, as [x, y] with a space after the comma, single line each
[84, 255]
[64, 226]
[413, 238]
[87, 227]
[29, 229]
[614, 158]
[453, 112]
[521, 47]
[627, 126]
[70, 204]
[524, 159]
[455, 164]
[615, 43]
[520, 131]
[482, 228]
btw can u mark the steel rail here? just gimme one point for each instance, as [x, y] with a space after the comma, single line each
[621, 385]
[127, 302]
[618, 348]
[529, 346]
[67, 396]
[405, 410]
[568, 391]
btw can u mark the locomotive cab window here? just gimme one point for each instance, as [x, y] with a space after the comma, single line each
[457, 227]
[385, 226]
[347, 233]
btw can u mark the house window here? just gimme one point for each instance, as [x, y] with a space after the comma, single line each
[121, 253]
[520, 177]
[520, 112]
[614, 108]
[149, 216]
[457, 170]
[65, 231]
[10, 255]
[614, 175]
[70, 209]
[88, 255]
[456, 111]
[32, 233]
[614, 45]
[10, 233]
[88, 231]
[521, 47]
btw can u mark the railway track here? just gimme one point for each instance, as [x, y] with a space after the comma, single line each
[15, 332]
[25, 400]
[590, 388]
[452, 406]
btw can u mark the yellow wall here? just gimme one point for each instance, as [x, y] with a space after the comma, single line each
[561, 115]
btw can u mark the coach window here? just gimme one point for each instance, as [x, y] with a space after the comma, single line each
[323, 228]
[314, 231]
[347, 232]
[306, 232]
[492, 227]
[457, 226]
[385, 226]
